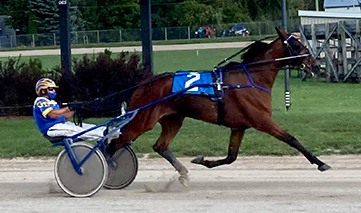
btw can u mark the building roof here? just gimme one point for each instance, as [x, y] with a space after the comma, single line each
[305, 13]
[341, 3]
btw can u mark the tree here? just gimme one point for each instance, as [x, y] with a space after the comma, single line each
[76, 20]
[46, 15]
[18, 12]
[41, 16]
[191, 12]
[85, 15]
[232, 11]
[162, 15]
[293, 6]
[262, 10]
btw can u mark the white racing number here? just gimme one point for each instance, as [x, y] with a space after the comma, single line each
[193, 77]
[62, 2]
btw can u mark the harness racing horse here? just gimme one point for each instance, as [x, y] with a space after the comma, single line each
[240, 108]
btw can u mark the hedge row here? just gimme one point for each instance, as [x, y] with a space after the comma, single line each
[92, 77]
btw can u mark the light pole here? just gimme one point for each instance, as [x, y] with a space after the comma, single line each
[65, 46]
[146, 34]
[287, 70]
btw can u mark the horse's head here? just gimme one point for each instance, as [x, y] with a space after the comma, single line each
[299, 55]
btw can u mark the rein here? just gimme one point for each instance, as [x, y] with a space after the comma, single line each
[218, 84]
[239, 52]
[220, 71]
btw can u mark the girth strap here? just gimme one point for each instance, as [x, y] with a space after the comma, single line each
[221, 112]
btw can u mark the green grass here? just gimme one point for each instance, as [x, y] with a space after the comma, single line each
[325, 117]
[164, 61]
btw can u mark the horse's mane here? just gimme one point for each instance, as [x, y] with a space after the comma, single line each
[255, 49]
[157, 77]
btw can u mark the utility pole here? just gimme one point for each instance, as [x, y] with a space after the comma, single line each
[287, 70]
[65, 45]
[146, 34]
[65, 49]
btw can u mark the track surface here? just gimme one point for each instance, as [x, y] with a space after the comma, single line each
[251, 184]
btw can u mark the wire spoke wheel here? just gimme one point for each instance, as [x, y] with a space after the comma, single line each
[123, 169]
[94, 171]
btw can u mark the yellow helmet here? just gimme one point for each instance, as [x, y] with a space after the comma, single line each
[44, 83]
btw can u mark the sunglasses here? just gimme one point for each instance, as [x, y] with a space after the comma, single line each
[51, 88]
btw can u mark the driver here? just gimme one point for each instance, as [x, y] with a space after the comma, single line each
[50, 118]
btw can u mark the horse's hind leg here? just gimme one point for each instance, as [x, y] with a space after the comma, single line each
[234, 144]
[170, 127]
[275, 130]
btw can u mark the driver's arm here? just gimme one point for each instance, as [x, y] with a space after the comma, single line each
[55, 113]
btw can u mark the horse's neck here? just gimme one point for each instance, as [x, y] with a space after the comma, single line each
[263, 69]
[265, 74]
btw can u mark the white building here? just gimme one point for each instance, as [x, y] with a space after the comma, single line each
[344, 6]
[335, 10]
[333, 36]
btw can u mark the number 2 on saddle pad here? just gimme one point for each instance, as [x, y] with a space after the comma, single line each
[186, 79]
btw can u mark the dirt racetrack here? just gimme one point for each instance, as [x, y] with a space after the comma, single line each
[251, 184]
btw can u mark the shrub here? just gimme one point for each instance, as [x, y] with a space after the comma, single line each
[104, 75]
[17, 83]
[92, 77]
[100, 80]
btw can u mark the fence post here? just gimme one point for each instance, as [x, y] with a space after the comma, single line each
[54, 39]
[15, 43]
[33, 42]
[120, 35]
[76, 37]
[165, 34]
[189, 32]
[98, 36]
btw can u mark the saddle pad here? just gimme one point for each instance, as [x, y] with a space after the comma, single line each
[202, 82]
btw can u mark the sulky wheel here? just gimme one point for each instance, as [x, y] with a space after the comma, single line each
[122, 169]
[94, 171]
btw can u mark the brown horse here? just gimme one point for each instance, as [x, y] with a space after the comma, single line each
[239, 108]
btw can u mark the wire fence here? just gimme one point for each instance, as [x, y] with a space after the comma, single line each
[131, 35]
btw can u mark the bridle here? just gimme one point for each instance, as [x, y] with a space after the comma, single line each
[219, 70]
[295, 54]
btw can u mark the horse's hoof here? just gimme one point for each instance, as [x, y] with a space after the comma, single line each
[198, 160]
[324, 167]
[183, 179]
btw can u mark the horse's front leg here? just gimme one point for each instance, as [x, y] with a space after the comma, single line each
[170, 127]
[275, 130]
[293, 142]
[234, 144]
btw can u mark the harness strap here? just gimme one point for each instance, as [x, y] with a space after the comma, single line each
[251, 83]
[221, 112]
[220, 102]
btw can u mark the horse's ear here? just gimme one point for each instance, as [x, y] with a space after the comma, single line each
[281, 32]
[278, 31]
